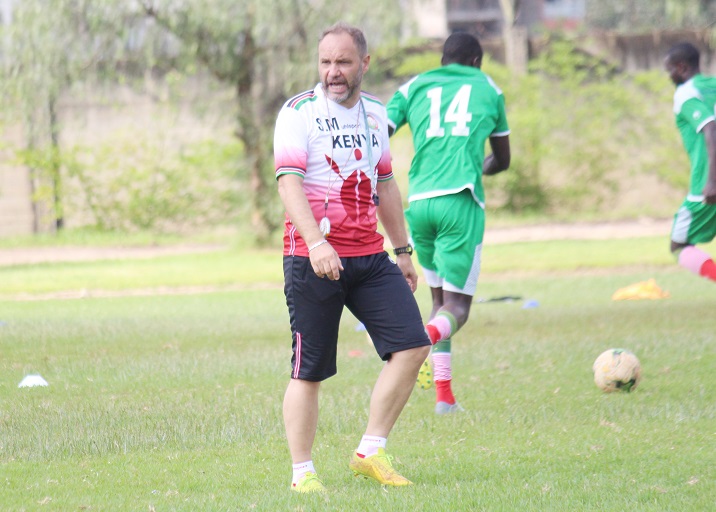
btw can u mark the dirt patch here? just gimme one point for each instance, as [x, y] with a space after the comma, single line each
[540, 232]
[580, 231]
[543, 232]
[35, 255]
[139, 292]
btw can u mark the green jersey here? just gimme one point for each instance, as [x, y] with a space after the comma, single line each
[694, 107]
[451, 111]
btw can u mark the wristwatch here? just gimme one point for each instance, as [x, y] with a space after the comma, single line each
[408, 249]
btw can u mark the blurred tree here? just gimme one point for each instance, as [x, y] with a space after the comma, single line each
[263, 50]
[649, 14]
[266, 51]
[514, 37]
[47, 47]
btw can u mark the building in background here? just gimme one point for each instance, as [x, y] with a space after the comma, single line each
[484, 18]
[6, 11]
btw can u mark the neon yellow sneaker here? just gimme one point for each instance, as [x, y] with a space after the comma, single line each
[379, 467]
[309, 483]
[425, 375]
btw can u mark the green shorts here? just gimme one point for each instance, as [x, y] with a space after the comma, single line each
[447, 233]
[694, 223]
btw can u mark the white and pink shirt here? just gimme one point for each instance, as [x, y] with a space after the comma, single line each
[339, 157]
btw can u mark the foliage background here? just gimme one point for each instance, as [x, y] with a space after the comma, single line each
[158, 114]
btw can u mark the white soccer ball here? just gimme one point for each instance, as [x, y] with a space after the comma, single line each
[616, 369]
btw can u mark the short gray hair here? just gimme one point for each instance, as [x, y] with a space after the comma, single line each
[356, 34]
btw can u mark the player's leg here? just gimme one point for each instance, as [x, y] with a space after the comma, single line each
[448, 244]
[694, 223]
[387, 308]
[390, 394]
[393, 388]
[458, 307]
[423, 230]
[300, 414]
[452, 267]
[315, 307]
[441, 354]
[452, 315]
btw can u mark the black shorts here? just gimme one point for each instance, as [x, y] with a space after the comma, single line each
[372, 287]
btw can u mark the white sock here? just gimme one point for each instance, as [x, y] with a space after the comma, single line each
[369, 445]
[301, 469]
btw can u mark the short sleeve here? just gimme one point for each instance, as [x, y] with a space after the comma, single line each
[397, 110]
[696, 113]
[290, 143]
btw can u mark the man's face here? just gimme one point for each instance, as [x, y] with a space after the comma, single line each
[675, 70]
[341, 68]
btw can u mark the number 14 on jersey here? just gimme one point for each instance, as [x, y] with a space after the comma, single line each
[457, 113]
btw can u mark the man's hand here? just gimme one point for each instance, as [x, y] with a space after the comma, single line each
[325, 262]
[406, 267]
[500, 158]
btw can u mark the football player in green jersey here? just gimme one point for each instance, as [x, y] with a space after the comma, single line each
[452, 111]
[694, 101]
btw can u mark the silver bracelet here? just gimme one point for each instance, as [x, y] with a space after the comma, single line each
[317, 244]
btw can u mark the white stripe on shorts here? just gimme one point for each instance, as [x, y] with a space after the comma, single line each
[297, 363]
[680, 229]
[432, 278]
[435, 281]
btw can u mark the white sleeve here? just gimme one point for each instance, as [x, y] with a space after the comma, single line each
[290, 142]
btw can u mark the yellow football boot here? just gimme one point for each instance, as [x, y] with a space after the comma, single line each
[309, 483]
[379, 467]
[425, 375]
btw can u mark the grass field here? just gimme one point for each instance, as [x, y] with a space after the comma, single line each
[172, 400]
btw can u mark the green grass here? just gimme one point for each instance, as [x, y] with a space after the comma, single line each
[98, 238]
[221, 268]
[231, 268]
[173, 402]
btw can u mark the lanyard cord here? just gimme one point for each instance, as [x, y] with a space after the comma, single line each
[374, 172]
[332, 179]
[325, 225]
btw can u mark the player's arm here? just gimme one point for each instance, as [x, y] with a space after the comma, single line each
[709, 131]
[324, 259]
[499, 160]
[390, 213]
[397, 110]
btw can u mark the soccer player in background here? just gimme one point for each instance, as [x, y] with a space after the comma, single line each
[694, 101]
[334, 175]
[452, 111]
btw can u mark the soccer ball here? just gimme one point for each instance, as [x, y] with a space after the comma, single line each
[616, 369]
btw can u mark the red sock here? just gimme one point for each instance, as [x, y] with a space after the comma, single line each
[708, 269]
[433, 333]
[444, 391]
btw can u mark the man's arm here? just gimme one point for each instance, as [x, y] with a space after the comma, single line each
[500, 158]
[390, 213]
[324, 259]
[709, 131]
[396, 110]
